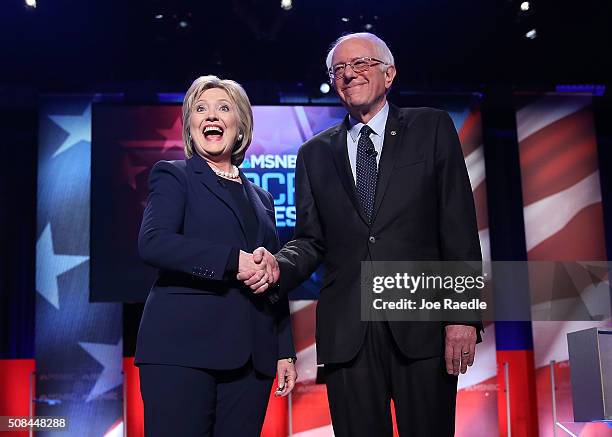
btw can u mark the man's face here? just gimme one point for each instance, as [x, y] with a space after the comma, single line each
[366, 90]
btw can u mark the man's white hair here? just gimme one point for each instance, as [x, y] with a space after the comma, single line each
[382, 51]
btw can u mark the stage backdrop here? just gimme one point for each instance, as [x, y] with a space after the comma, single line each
[563, 222]
[79, 343]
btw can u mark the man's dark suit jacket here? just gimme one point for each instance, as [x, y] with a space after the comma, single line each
[424, 210]
[196, 316]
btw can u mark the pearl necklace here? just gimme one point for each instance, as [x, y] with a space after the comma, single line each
[226, 174]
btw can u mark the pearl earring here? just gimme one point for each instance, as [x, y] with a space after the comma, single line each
[239, 137]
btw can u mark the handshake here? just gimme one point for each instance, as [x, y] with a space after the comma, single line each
[258, 270]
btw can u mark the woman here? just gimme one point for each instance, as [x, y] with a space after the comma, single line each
[208, 347]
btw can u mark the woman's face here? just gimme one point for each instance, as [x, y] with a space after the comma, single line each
[213, 124]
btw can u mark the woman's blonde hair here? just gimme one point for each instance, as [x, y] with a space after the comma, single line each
[243, 109]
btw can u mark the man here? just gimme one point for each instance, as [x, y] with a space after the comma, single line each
[387, 184]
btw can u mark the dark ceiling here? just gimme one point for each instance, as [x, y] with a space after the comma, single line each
[65, 45]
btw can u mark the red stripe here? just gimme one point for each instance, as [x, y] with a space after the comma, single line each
[582, 239]
[310, 408]
[523, 402]
[134, 425]
[470, 134]
[558, 156]
[303, 323]
[15, 389]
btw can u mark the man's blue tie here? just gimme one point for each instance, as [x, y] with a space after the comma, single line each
[366, 171]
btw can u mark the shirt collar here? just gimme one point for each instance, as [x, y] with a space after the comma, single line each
[377, 123]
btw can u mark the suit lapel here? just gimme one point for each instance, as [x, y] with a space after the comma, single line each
[393, 133]
[258, 207]
[210, 180]
[343, 166]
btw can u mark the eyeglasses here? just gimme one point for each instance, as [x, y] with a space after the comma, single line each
[359, 65]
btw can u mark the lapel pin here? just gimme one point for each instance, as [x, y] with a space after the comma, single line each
[393, 132]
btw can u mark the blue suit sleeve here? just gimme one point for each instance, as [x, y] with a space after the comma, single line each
[161, 243]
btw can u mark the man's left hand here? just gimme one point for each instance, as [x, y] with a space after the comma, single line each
[460, 348]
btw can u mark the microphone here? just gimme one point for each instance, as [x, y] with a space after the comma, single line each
[371, 152]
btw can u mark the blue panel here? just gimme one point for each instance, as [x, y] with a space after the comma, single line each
[510, 336]
[170, 97]
[78, 345]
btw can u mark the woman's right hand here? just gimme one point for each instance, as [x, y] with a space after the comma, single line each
[259, 270]
[253, 274]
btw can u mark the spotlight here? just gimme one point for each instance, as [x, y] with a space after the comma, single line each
[286, 4]
[525, 6]
[159, 16]
[30, 3]
[183, 24]
[324, 88]
[368, 26]
[532, 34]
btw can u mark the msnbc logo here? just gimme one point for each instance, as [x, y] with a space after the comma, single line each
[269, 161]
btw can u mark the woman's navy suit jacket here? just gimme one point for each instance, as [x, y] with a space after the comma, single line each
[195, 315]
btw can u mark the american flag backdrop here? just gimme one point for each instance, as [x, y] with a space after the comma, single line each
[563, 222]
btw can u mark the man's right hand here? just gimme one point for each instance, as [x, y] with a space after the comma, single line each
[259, 270]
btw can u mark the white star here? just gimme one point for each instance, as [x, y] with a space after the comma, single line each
[77, 126]
[49, 266]
[110, 356]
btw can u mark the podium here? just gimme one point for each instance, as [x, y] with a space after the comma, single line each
[590, 355]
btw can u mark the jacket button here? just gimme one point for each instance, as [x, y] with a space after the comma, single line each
[372, 239]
